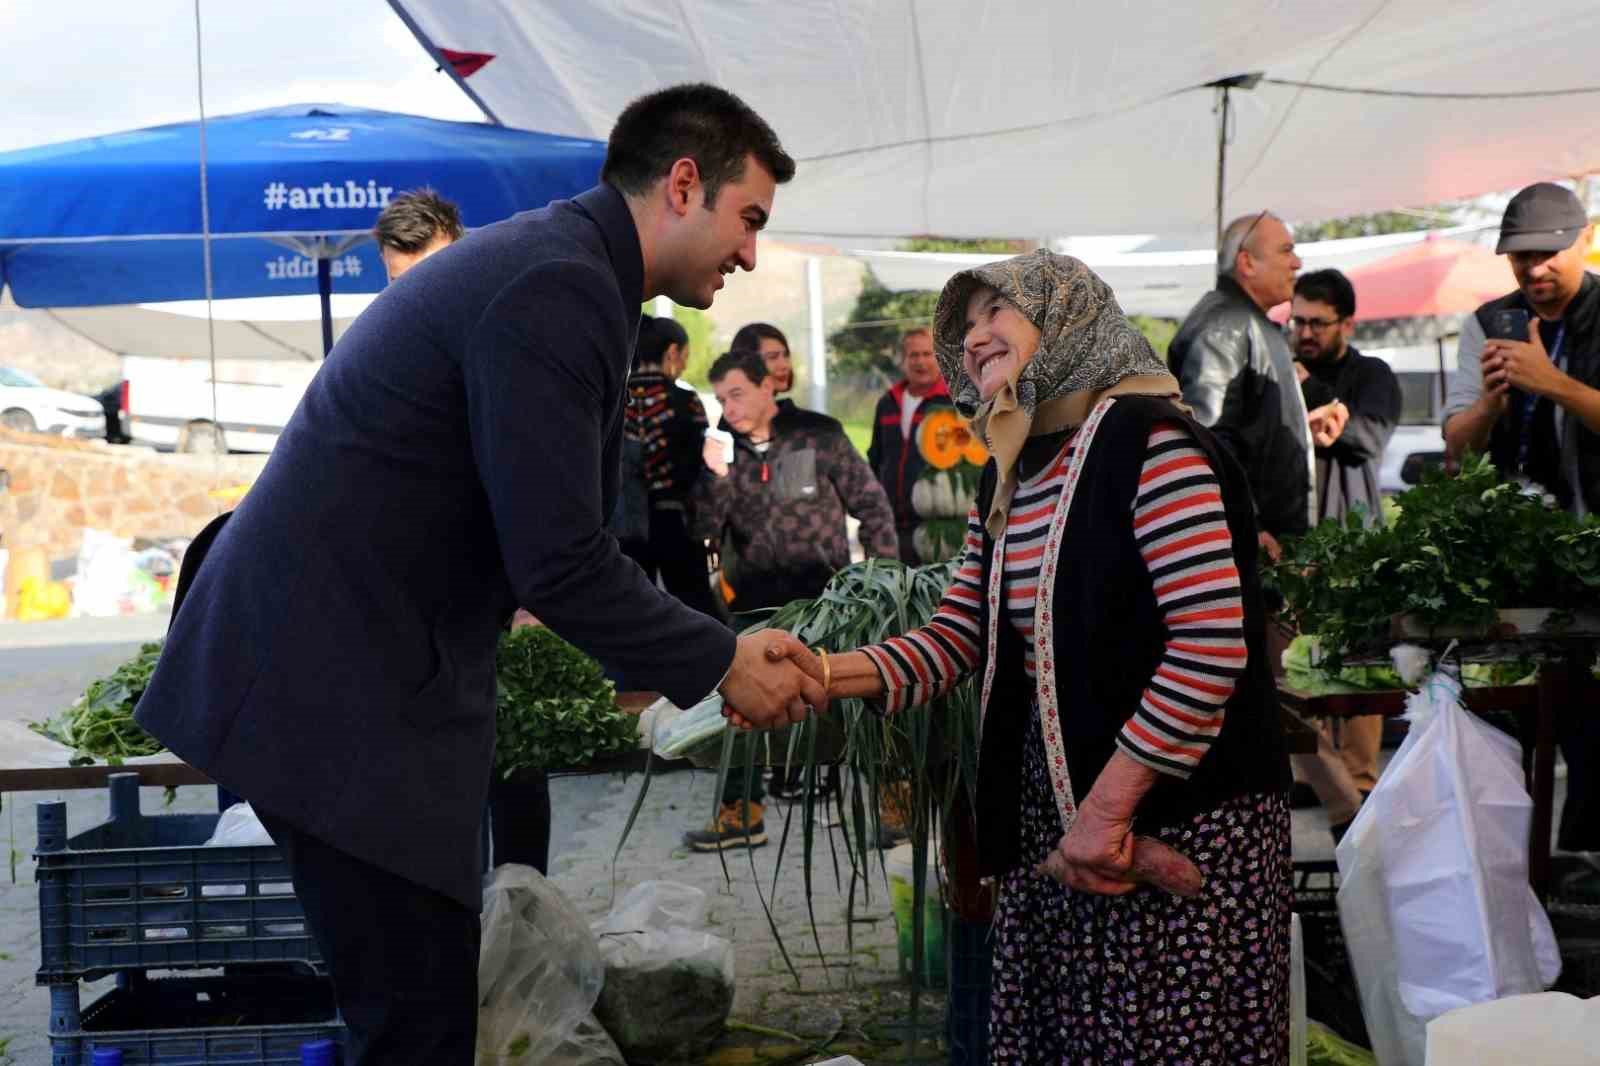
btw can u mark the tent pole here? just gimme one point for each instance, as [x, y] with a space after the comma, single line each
[819, 350]
[1222, 162]
[325, 296]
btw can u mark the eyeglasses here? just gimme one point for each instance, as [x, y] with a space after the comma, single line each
[1315, 325]
[1251, 229]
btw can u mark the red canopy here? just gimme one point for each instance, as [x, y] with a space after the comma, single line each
[1437, 277]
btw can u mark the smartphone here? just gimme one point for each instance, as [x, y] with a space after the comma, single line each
[1507, 324]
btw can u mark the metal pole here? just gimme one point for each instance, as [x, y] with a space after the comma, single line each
[1222, 163]
[819, 353]
[325, 294]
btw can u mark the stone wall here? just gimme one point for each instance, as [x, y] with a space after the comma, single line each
[55, 487]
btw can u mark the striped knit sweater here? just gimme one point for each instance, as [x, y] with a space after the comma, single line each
[1182, 533]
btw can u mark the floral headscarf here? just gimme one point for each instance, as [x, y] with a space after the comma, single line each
[1087, 349]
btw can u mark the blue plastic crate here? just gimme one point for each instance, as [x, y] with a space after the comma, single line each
[198, 1021]
[144, 892]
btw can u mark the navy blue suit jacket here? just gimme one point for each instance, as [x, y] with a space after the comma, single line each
[333, 661]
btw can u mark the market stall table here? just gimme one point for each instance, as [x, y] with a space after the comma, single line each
[33, 763]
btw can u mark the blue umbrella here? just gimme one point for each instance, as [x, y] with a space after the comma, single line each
[292, 194]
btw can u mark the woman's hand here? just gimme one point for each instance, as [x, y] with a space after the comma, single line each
[849, 674]
[1099, 853]
[1095, 855]
[1108, 859]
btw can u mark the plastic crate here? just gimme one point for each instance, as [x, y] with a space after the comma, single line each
[144, 892]
[966, 1028]
[1332, 997]
[196, 1021]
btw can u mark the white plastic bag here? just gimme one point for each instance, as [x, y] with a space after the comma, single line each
[1398, 1038]
[539, 970]
[677, 732]
[1297, 992]
[668, 982]
[1441, 847]
[238, 827]
[105, 574]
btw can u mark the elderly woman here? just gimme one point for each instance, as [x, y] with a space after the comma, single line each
[1108, 600]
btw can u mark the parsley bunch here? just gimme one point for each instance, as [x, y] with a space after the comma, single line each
[555, 706]
[1461, 548]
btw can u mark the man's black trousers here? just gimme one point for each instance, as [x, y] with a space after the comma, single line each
[404, 959]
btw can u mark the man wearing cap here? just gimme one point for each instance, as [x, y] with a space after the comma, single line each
[1534, 406]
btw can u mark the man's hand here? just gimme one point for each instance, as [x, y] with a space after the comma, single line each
[1521, 364]
[715, 456]
[775, 681]
[1327, 422]
[1301, 373]
[1270, 545]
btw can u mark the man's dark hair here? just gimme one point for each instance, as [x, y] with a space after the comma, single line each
[1330, 287]
[413, 219]
[743, 359]
[701, 122]
[752, 335]
[656, 335]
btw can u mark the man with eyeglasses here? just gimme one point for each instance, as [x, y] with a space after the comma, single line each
[1238, 375]
[1354, 403]
[1352, 400]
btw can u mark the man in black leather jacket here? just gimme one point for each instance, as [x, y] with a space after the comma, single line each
[1238, 374]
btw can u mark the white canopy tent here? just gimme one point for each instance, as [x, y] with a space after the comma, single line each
[1004, 118]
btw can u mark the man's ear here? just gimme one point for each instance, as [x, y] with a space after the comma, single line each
[682, 186]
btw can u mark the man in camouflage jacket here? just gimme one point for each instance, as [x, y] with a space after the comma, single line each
[779, 508]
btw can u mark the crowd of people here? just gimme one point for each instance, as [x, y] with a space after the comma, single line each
[500, 431]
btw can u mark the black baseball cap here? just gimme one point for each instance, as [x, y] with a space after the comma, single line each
[1541, 218]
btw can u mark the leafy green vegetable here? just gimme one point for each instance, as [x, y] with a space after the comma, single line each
[1460, 549]
[100, 724]
[555, 706]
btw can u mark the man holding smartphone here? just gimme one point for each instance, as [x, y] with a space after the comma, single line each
[1530, 397]
[1527, 391]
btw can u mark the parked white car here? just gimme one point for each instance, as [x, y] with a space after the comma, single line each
[29, 405]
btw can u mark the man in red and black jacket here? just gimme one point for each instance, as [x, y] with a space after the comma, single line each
[893, 454]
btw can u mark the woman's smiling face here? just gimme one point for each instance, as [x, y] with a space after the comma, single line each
[999, 340]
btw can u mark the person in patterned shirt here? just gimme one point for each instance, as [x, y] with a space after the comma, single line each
[778, 511]
[668, 423]
[1131, 799]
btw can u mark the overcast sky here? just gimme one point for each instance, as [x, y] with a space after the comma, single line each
[75, 68]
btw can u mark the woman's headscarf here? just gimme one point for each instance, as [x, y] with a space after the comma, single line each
[1087, 349]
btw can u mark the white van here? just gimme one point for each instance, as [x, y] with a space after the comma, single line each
[1424, 380]
[167, 402]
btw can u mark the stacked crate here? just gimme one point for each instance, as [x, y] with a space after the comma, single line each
[141, 893]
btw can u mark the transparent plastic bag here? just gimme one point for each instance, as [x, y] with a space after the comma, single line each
[588, 1045]
[668, 982]
[539, 970]
[238, 827]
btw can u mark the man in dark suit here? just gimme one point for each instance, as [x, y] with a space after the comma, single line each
[456, 456]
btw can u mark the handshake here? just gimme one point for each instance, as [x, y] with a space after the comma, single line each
[774, 681]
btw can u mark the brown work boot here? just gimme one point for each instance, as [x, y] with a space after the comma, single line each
[737, 825]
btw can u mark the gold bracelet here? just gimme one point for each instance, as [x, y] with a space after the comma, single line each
[827, 671]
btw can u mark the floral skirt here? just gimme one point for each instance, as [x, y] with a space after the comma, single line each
[1148, 977]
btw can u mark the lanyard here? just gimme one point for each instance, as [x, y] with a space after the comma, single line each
[1530, 402]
